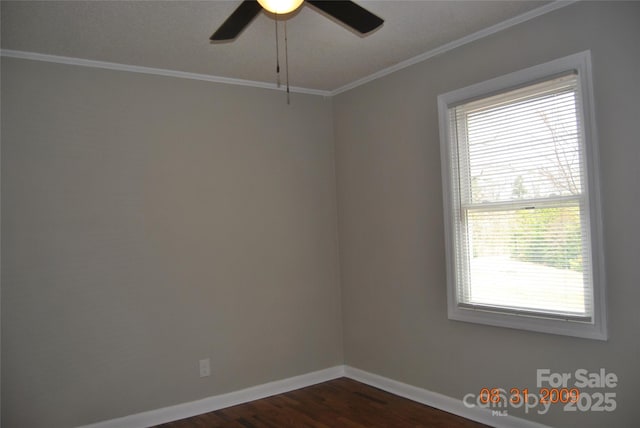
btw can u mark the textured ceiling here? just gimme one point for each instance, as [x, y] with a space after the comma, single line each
[174, 35]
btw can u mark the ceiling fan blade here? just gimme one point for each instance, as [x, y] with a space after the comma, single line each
[237, 21]
[350, 14]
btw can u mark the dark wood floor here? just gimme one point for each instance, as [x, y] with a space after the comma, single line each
[338, 403]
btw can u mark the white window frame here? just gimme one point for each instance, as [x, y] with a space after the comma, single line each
[581, 64]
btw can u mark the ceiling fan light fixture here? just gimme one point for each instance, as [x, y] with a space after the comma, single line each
[280, 7]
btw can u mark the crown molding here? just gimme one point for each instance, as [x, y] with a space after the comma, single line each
[534, 13]
[34, 56]
[549, 7]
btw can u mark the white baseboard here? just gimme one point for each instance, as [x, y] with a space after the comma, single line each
[439, 401]
[210, 404]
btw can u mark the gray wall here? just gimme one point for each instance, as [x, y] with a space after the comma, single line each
[391, 218]
[149, 222]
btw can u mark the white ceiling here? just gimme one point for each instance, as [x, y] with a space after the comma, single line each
[174, 35]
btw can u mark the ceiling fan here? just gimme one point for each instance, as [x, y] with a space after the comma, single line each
[347, 12]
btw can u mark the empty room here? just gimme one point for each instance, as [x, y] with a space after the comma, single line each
[319, 214]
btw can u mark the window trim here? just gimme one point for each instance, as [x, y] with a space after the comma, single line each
[580, 63]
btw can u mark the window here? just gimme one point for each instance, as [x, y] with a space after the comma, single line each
[519, 164]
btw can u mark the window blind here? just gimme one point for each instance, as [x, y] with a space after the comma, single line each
[521, 208]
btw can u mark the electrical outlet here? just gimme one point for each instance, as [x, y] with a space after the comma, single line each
[205, 367]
